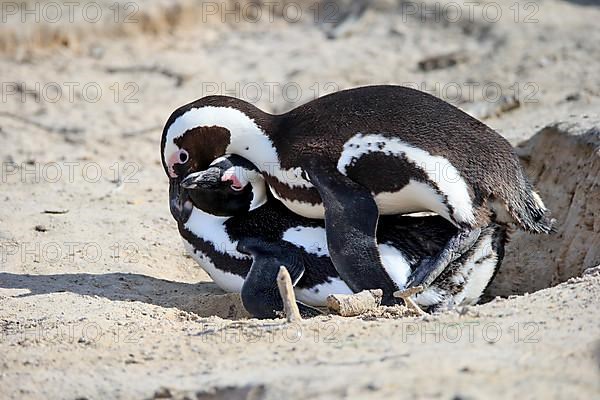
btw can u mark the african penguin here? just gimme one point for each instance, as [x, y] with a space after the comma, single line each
[241, 235]
[353, 155]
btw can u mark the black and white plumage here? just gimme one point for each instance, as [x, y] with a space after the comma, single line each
[240, 235]
[360, 153]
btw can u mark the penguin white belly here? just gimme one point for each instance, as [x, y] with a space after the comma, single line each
[227, 281]
[445, 189]
[313, 240]
[414, 197]
[317, 296]
[305, 209]
[211, 229]
[395, 264]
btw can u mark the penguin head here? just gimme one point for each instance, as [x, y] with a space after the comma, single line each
[230, 186]
[199, 132]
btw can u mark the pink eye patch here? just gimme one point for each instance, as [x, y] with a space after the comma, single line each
[179, 157]
[172, 161]
[235, 182]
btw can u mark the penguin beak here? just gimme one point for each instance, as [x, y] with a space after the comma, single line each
[179, 202]
[207, 179]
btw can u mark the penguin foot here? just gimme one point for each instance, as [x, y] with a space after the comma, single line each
[429, 269]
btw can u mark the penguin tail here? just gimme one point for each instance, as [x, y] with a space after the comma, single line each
[528, 210]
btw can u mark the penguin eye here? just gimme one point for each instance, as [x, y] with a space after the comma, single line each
[183, 156]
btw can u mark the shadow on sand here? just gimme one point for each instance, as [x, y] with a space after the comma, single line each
[204, 298]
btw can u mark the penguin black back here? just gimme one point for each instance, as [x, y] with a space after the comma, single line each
[483, 158]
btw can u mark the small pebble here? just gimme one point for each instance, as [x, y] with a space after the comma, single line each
[163, 393]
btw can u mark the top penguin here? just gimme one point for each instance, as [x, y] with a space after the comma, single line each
[354, 154]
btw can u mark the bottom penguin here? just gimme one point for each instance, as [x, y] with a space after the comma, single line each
[240, 235]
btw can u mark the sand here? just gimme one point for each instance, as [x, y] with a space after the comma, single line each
[97, 298]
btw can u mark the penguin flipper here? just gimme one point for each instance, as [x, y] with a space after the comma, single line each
[431, 267]
[351, 217]
[260, 294]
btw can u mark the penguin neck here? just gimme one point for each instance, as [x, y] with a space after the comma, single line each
[250, 129]
[254, 144]
[204, 224]
[260, 196]
[251, 135]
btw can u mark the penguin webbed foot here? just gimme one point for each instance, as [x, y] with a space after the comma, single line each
[429, 268]
[351, 217]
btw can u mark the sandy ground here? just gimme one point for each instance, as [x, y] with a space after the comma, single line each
[98, 300]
